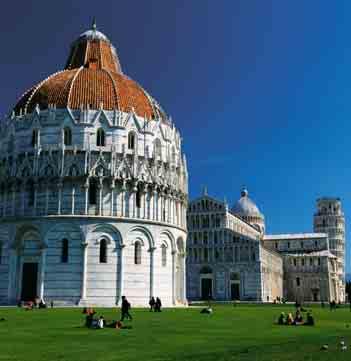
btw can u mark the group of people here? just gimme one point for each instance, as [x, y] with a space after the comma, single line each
[297, 320]
[155, 305]
[100, 322]
[31, 305]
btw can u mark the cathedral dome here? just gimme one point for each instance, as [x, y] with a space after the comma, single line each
[93, 79]
[245, 206]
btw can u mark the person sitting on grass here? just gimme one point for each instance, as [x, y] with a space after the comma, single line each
[100, 323]
[42, 304]
[29, 306]
[309, 319]
[282, 319]
[207, 310]
[298, 320]
[120, 326]
[89, 320]
[289, 319]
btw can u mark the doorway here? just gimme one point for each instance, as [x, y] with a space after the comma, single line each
[235, 291]
[29, 281]
[206, 288]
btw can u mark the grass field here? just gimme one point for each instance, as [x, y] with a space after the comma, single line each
[230, 333]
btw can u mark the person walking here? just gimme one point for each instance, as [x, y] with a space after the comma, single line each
[152, 304]
[125, 307]
[158, 305]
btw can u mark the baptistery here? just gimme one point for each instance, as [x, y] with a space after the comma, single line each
[93, 188]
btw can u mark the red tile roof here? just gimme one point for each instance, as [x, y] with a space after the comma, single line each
[92, 78]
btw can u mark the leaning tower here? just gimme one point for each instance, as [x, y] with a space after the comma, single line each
[330, 219]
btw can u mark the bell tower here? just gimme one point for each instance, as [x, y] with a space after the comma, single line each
[330, 219]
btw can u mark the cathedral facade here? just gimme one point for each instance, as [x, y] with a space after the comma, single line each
[230, 257]
[93, 188]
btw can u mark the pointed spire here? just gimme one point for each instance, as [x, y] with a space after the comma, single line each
[93, 25]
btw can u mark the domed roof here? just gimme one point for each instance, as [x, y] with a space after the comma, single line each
[92, 78]
[246, 207]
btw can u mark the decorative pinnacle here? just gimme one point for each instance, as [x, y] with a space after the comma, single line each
[204, 191]
[93, 26]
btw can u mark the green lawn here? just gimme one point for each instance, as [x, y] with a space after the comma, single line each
[230, 333]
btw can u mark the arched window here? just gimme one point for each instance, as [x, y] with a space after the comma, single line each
[137, 253]
[100, 138]
[131, 140]
[92, 192]
[164, 255]
[35, 137]
[157, 149]
[103, 251]
[64, 251]
[67, 136]
[298, 281]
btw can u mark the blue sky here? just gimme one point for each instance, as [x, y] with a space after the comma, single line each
[260, 90]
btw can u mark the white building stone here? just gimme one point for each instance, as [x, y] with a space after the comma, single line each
[230, 257]
[93, 189]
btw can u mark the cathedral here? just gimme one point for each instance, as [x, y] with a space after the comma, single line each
[93, 188]
[230, 256]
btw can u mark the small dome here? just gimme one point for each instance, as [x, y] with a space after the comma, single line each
[245, 206]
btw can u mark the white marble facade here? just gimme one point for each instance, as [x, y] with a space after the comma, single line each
[92, 205]
[231, 258]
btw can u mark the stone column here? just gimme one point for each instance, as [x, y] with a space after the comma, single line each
[144, 201]
[86, 196]
[123, 198]
[155, 201]
[42, 271]
[170, 204]
[121, 286]
[112, 197]
[161, 205]
[152, 271]
[84, 271]
[177, 212]
[59, 205]
[73, 199]
[134, 207]
[100, 186]
[183, 279]
[174, 298]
